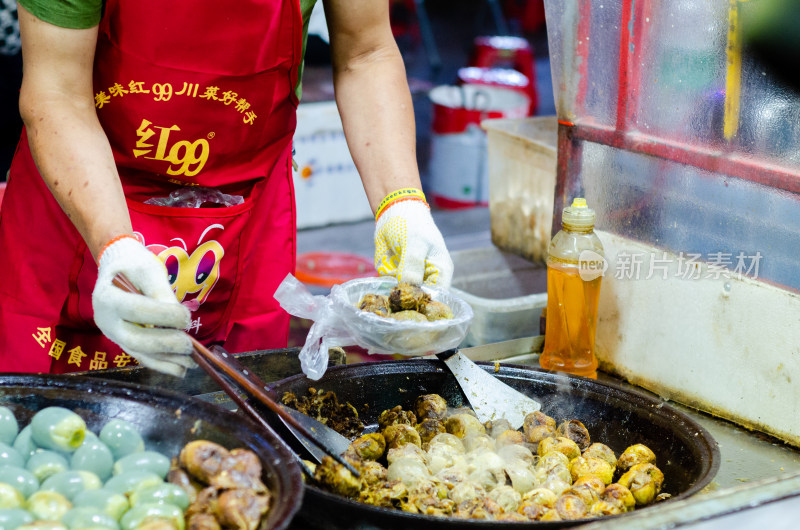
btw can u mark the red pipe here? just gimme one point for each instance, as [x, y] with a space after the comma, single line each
[582, 53]
[733, 164]
[641, 28]
[563, 160]
[568, 167]
[625, 55]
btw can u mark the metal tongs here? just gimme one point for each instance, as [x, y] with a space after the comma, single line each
[215, 364]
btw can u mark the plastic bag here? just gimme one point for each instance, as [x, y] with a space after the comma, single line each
[339, 322]
[196, 197]
[326, 332]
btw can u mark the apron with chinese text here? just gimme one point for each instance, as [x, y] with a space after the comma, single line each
[192, 96]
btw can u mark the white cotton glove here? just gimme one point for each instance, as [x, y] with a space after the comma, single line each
[409, 247]
[128, 318]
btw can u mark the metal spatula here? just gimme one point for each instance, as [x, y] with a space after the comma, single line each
[490, 398]
[332, 439]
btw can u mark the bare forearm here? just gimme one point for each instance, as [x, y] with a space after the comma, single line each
[74, 158]
[69, 146]
[378, 116]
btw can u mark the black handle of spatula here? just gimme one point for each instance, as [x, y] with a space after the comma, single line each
[443, 356]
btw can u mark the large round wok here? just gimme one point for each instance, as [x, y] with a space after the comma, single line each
[166, 421]
[686, 453]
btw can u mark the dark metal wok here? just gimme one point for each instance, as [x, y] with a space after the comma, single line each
[166, 421]
[686, 453]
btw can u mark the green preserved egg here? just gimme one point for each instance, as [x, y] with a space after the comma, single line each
[146, 461]
[88, 517]
[161, 493]
[58, 428]
[109, 502]
[48, 505]
[122, 438]
[138, 514]
[19, 478]
[10, 456]
[125, 483]
[95, 456]
[43, 464]
[14, 517]
[10, 497]
[9, 428]
[44, 525]
[70, 483]
[24, 443]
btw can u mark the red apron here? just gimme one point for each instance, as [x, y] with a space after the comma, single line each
[188, 96]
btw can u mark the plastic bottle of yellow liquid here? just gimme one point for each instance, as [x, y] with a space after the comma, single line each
[575, 264]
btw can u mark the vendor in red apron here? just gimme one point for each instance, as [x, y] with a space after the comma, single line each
[128, 101]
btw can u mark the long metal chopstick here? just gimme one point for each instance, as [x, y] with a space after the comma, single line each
[244, 405]
[210, 362]
[255, 386]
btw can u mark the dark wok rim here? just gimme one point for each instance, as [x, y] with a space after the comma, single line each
[708, 448]
[286, 470]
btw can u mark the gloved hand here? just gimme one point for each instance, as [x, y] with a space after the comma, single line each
[126, 318]
[408, 245]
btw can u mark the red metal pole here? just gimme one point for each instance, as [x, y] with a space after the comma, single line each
[625, 54]
[632, 28]
[641, 26]
[563, 159]
[582, 53]
[764, 172]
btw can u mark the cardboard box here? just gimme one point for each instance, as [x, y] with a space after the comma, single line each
[327, 186]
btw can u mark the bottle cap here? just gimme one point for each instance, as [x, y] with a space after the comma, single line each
[578, 216]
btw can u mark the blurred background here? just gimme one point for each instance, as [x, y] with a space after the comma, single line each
[439, 40]
[466, 61]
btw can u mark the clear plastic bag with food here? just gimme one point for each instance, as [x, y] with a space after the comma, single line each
[196, 197]
[339, 321]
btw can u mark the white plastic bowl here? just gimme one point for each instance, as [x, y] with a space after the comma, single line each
[389, 336]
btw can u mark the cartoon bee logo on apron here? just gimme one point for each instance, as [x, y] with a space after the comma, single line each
[192, 274]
